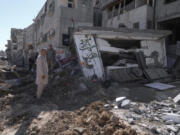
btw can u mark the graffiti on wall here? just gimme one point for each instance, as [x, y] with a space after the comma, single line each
[88, 54]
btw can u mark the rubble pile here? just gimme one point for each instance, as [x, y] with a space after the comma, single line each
[91, 120]
[161, 117]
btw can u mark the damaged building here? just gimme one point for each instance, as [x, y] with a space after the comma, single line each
[52, 25]
[56, 19]
[168, 18]
[16, 46]
[121, 54]
[137, 14]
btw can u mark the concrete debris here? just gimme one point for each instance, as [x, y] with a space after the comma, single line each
[177, 98]
[82, 107]
[119, 99]
[172, 128]
[125, 103]
[156, 116]
[80, 130]
[171, 116]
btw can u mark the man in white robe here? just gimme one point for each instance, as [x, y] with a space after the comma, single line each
[42, 73]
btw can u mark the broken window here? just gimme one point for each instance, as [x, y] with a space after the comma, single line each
[130, 4]
[42, 19]
[109, 12]
[44, 37]
[169, 1]
[149, 25]
[150, 3]
[71, 3]
[65, 38]
[46, 7]
[38, 24]
[116, 10]
[51, 8]
[136, 25]
[15, 47]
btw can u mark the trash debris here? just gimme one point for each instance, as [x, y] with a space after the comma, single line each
[160, 86]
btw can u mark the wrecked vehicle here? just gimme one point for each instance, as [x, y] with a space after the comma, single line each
[121, 54]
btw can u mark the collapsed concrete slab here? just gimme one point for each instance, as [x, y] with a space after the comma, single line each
[99, 49]
[171, 116]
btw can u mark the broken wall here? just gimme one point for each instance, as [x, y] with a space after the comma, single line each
[155, 51]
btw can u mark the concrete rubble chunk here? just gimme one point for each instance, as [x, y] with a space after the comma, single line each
[80, 130]
[169, 122]
[172, 128]
[156, 130]
[119, 99]
[125, 103]
[171, 116]
[107, 106]
[131, 121]
[116, 107]
[172, 133]
[177, 98]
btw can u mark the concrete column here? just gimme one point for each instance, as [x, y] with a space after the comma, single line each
[124, 6]
[147, 2]
[119, 10]
[113, 11]
[153, 2]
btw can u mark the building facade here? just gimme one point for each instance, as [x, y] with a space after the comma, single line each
[128, 13]
[57, 17]
[52, 25]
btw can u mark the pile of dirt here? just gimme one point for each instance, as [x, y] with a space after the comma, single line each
[91, 120]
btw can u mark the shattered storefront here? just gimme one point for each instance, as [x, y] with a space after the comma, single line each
[121, 54]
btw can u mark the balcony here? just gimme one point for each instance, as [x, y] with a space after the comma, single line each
[107, 2]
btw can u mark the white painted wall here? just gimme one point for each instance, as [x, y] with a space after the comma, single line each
[158, 46]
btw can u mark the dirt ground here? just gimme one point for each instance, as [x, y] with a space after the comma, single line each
[70, 105]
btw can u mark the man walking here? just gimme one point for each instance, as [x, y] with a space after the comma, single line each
[51, 57]
[42, 72]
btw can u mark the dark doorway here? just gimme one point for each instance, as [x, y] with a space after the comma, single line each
[174, 26]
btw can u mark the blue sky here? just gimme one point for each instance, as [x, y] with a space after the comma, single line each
[16, 14]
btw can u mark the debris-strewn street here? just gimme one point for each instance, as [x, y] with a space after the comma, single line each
[90, 67]
[73, 105]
